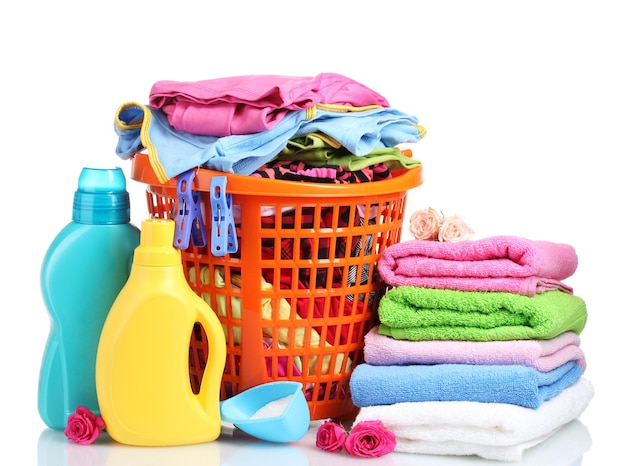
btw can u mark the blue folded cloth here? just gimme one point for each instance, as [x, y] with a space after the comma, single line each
[172, 152]
[513, 384]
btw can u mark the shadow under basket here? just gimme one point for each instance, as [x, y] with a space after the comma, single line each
[293, 277]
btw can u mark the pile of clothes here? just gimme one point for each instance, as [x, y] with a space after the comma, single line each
[238, 124]
[478, 347]
[322, 129]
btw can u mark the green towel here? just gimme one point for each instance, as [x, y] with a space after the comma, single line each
[415, 313]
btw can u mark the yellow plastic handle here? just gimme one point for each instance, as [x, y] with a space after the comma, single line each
[209, 392]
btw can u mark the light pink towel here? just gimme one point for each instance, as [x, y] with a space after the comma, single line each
[543, 355]
[253, 103]
[507, 264]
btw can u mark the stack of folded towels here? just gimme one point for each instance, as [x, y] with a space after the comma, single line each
[478, 347]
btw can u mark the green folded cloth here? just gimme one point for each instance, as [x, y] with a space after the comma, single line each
[415, 313]
[319, 150]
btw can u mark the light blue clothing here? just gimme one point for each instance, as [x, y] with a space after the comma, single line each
[172, 152]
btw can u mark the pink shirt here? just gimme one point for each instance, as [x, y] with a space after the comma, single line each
[253, 103]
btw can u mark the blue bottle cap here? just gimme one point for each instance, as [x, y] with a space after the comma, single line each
[101, 197]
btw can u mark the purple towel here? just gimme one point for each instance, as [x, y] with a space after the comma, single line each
[543, 355]
[500, 263]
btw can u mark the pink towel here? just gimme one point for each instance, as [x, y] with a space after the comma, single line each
[500, 263]
[543, 355]
[254, 103]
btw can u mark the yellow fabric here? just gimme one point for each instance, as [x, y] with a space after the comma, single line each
[284, 313]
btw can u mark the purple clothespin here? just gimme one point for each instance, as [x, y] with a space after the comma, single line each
[223, 235]
[189, 224]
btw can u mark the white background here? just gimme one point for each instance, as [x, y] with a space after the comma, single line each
[523, 102]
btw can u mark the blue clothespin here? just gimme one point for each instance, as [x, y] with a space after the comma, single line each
[223, 233]
[189, 224]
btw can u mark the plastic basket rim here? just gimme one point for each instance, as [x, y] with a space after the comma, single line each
[402, 180]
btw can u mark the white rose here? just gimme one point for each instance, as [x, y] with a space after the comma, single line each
[424, 224]
[454, 229]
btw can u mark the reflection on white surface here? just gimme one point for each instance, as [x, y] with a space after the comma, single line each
[565, 448]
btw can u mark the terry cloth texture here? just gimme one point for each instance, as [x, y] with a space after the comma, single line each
[496, 431]
[543, 355]
[413, 313]
[499, 263]
[513, 384]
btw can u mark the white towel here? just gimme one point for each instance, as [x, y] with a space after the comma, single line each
[496, 431]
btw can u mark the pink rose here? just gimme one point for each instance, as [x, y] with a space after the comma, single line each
[424, 224]
[370, 439]
[83, 427]
[454, 229]
[330, 436]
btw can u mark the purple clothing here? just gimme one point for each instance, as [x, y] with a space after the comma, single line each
[253, 103]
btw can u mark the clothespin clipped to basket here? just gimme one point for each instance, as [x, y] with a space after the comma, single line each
[189, 223]
[223, 237]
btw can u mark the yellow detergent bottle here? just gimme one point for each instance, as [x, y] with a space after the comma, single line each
[142, 363]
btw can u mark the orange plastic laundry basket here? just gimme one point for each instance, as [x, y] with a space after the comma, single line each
[300, 290]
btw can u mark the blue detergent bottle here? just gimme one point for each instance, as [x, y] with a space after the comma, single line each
[83, 270]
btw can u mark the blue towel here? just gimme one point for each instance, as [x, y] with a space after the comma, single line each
[513, 384]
